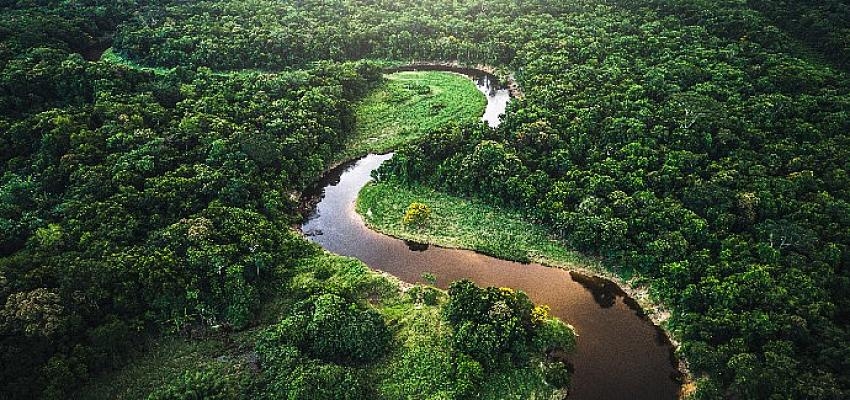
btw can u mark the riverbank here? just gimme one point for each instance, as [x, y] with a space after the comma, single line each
[399, 112]
[461, 223]
[502, 77]
[625, 343]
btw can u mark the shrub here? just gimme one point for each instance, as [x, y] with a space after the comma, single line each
[417, 214]
[333, 329]
[424, 295]
[468, 374]
[317, 381]
[196, 385]
[540, 314]
[300, 355]
[554, 334]
[492, 322]
[430, 296]
[556, 374]
[489, 322]
[341, 331]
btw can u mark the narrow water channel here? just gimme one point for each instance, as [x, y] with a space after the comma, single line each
[620, 354]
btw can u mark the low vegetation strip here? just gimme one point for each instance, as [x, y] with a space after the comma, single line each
[458, 222]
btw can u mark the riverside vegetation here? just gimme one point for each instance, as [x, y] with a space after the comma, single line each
[461, 223]
[701, 145]
[147, 243]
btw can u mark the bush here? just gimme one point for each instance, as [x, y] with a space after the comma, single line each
[300, 355]
[417, 214]
[492, 322]
[316, 381]
[341, 331]
[204, 384]
[557, 374]
[489, 322]
[333, 329]
[424, 295]
[481, 342]
[554, 334]
[468, 374]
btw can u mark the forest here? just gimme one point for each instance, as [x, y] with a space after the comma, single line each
[153, 156]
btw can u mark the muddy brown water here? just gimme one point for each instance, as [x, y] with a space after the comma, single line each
[620, 354]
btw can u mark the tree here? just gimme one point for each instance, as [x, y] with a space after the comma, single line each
[39, 313]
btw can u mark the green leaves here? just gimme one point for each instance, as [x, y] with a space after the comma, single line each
[416, 215]
[500, 327]
[320, 350]
[196, 385]
[340, 331]
[36, 313]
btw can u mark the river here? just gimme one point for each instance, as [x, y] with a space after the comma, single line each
[620, 354]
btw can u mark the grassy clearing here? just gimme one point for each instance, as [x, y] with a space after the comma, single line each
[409, 104]
[166, 360]
[462, 223]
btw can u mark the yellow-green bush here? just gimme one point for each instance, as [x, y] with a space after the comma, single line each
[417, 214]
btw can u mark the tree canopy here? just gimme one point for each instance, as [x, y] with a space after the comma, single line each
[699, 144]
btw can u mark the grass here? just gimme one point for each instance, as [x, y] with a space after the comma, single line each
[167, 359]
[463, 223]
[409, 104]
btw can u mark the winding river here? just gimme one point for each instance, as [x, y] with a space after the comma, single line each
[620, 354]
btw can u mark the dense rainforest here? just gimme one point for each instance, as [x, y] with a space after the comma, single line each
[699, 145]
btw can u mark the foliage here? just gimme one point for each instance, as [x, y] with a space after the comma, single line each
[417, 214]
[151, 200]
[232, 35]
[499, 326]
[426, 365]
[427, 295]
[697, 147]
[303, 379]
[319, 350]
[35, 313]
[701, 144]
[196, 385]
[462, 222]
[339, 331]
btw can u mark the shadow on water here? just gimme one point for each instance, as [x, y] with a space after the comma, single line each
[605, 292]
[619, 354]
[414, 246]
